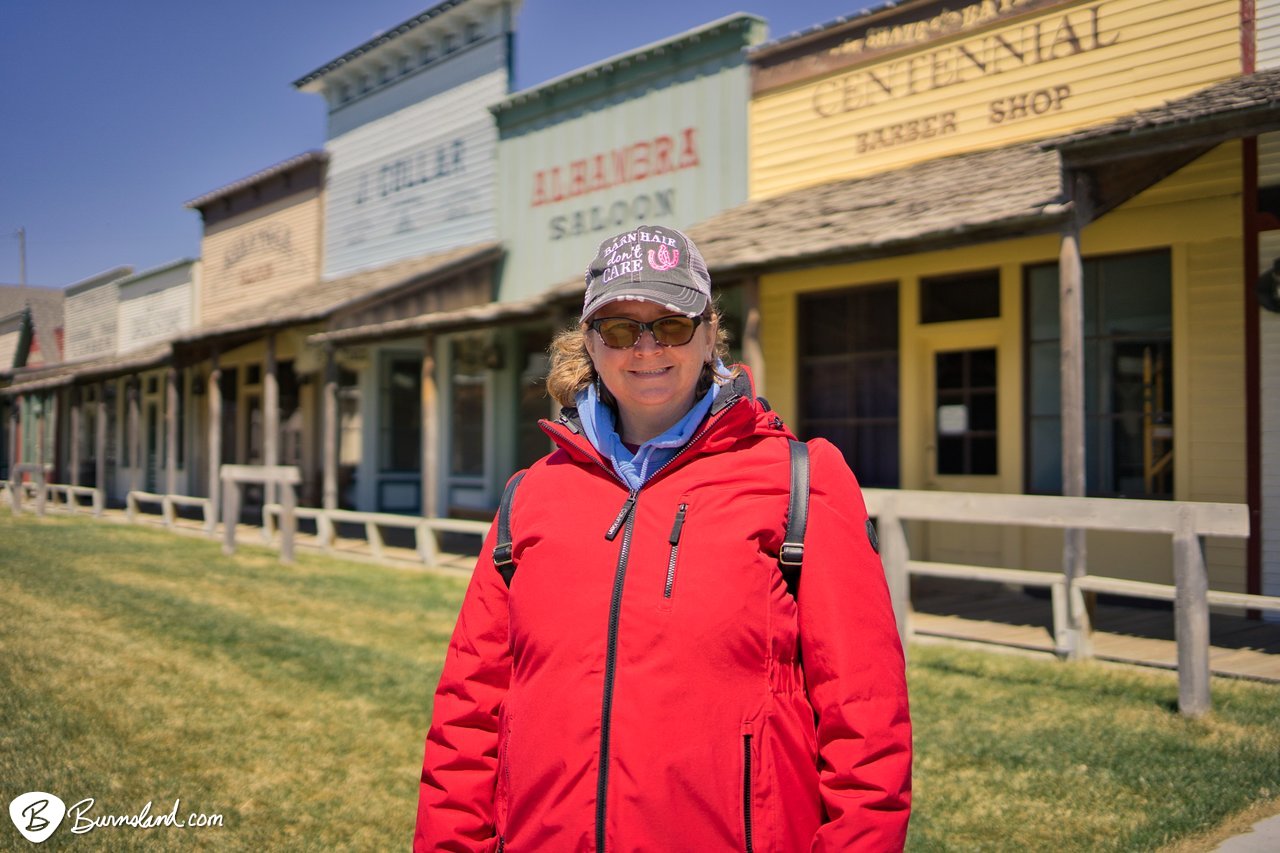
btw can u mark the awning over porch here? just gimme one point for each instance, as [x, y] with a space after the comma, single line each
[968, 198]
[322, 300]
[89, 370]
[1242, 106]
[475, 317]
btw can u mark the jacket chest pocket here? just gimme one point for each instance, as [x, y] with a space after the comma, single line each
[670, 576]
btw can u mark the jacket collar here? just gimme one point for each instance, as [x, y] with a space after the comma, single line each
[727, 424]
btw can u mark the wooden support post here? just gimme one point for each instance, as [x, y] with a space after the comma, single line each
[135, 436]
[11, 437]
[752, 351]
[430, 431]
[100, 450]
[171, 431]
[41, 405]
[1071, 338]
[330, 438]
[271, 416]
[76, 415]
[1192, 616]
[214, 390]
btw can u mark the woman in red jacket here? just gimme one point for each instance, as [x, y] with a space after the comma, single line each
[648, 681]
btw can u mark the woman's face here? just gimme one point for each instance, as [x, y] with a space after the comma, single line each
[653, 385]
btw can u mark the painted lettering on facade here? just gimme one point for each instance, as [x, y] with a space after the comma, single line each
[1035, 43]
[611, 217]
[269, 239]
[946, 22]
[638, 161]
[418, 168]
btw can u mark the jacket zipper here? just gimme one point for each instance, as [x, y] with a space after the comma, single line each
[746, 788]
[674, 539]
[626, 521]
[627, 516]
[502, 843]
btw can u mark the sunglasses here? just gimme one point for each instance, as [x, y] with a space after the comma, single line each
[623, 333]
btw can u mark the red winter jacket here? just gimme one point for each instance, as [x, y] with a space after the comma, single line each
[640, 685]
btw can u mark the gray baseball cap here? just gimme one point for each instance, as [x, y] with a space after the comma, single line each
[651, 263]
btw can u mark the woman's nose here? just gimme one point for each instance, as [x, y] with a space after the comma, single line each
[646, 341]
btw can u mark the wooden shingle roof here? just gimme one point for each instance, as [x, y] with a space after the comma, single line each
[937, 204]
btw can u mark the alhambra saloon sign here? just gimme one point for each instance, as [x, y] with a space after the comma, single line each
[665, 147]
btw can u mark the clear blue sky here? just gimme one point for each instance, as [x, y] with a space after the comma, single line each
[112, 115]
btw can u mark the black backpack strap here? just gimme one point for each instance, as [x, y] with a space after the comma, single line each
[791, 554]
[503, 560]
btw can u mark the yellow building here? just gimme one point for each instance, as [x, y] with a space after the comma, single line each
[921, 177]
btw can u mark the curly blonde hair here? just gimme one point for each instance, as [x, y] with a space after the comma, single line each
[572, 370]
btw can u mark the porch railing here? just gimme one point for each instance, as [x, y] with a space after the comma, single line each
[45, 494]
[1187, 522]
[167, 504]
[426, 530]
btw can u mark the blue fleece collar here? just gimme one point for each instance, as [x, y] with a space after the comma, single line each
[599, 425]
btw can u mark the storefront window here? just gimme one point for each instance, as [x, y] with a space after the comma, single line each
[966, 411]
[1128, 378]
[967, 296]
[467, 417]
[849, 377]
[400, 447]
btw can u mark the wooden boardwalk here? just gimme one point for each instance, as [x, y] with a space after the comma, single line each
[1141, 633]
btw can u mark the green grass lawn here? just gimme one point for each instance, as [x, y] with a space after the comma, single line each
[138, 665]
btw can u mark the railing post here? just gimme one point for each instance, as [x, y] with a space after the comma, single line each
[894, 554]
[427, 550]
[41, 489]
[130, 506]
[230, 514]
[1061, 618]
[1192, 616]
[325, 529]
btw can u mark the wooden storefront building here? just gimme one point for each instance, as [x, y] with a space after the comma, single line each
[965, 294]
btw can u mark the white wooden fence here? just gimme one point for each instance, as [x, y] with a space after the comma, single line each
[426, 530]
[45, 495]
[1187, 522]
[136, 501]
